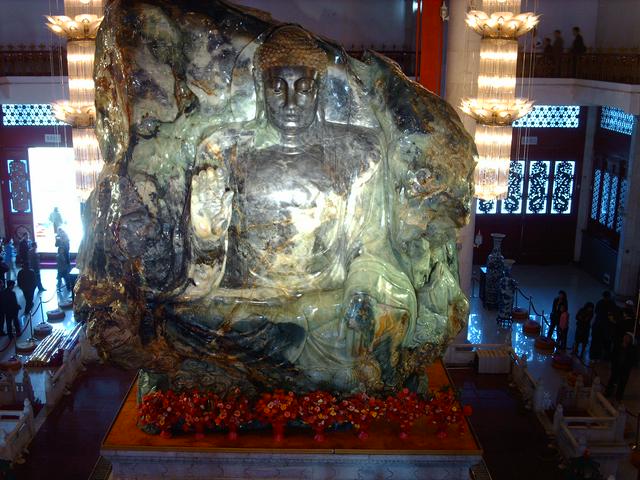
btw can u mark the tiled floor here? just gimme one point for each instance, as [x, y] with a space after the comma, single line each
[67, 445]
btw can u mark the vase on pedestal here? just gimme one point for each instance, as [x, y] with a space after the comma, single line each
[495, 271]
[507, 292]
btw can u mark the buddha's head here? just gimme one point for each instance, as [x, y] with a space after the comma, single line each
[291, 66]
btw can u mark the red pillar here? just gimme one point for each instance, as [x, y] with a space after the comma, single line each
[429, 44]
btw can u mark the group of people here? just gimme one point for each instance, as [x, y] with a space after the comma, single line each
[612, 333]
[28, 280]
[553, 50]
[28, 276]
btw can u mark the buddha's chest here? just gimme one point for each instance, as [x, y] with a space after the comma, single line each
[274, 187]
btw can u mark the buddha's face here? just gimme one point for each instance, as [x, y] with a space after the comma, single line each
[291, 97]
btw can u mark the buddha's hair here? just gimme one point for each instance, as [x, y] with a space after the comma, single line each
[290, 45]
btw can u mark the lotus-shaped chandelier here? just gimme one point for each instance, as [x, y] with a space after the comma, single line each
[80, 27]
[501, 24]
[496, 112]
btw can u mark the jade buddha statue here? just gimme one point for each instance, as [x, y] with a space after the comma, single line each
[273, 214]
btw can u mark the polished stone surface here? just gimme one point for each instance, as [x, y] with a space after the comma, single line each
[272, 213]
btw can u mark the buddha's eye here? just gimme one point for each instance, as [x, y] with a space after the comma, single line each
[278, 85]
[304, 85]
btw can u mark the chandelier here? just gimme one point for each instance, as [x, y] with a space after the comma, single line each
[79, 26]
[496, 107]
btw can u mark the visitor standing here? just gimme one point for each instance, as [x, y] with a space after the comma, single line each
[554, 317]
[55, 217]
[27, 282]
[563, 327]
[621, 364]
[63, 260]
[10, 309]
[600, 329]
[23, 250]
[34, 264]
[577, 47]
[9, 258]
[558, 49]
[583, 327]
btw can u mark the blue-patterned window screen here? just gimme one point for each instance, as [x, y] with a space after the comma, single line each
[616, 120]
[28, 114]
[595, 198]
[562, 194]
[488, 206]
[624, 187]
[604, 204]
[538, 191]
[513, 202]
[613, 197]
[550, 116]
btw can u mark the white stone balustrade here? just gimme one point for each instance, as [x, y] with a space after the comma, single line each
[17, 429]
[601, 431]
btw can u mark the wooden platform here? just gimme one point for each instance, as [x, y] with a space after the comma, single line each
[135, 454]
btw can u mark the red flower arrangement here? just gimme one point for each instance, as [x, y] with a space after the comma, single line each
[232, 412]
[277, 408]
[199, 411]
[445, 410]
[319, 410]
[405, 409]
[161, 410]
[360, 410]
[195, 410]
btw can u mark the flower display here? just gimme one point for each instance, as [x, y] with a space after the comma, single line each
[405, 409]
[161, 410]
[199, 410]
[360, 410]
[319, 410]
[233, 411]
[277, 408]
[196, 411]
[445, 410]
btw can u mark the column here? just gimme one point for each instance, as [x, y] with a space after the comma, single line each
[461, 75]
[628, 266]
[429, 45]
[584, 199]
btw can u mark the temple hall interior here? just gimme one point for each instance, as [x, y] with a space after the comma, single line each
[547, 248]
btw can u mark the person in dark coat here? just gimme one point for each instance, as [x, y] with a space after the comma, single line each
[600, 327]
[557, 50]
[622, 362]
[583, 327]
[577, 47]
[27, 282]
[554, 316]
[34, 264]
[10, 308]
[63, 260]
[23, 250]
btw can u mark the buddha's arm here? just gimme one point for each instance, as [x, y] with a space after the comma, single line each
[210, 204]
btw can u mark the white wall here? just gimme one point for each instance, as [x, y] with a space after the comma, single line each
[618, 24]
[563, 15]
[23, 22]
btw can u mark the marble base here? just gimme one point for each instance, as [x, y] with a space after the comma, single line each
[136, 455]
[243, 465]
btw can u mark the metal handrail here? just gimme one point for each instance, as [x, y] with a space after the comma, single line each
[532, 306]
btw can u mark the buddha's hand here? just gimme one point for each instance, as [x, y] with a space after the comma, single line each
[210, 204]
[360, 316]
